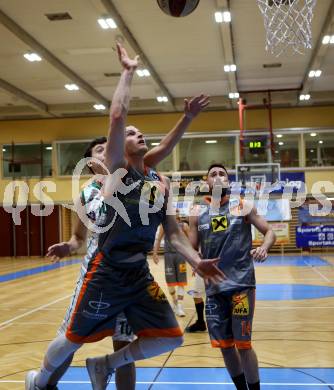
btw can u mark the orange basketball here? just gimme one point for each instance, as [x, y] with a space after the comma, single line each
[178, 8]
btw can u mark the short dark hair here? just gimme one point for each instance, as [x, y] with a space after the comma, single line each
[217, 165]
[94, 142]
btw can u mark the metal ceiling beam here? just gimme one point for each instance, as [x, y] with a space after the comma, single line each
[41, 107]
[112, 10]
[52, 59]
[318, 53]
[227, 46]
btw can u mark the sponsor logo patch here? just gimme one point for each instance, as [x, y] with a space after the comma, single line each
[156, 293]
[240, 305]
[219, 223]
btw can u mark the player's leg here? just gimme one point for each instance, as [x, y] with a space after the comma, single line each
[170, 276]
[199, 291]
[181, 280]
[125, 376]
[219, 319]
[242, 320]
[154, 322]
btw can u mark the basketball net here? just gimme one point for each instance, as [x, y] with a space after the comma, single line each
[287, 24]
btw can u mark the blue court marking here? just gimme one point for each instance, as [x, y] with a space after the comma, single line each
[291, 292]
[37, 270]
[294, 261]
[210, 378]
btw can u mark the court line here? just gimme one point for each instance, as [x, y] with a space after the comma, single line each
[317, 271]
[34, 310]
[193, 383]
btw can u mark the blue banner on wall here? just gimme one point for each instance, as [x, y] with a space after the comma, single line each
[314, 236]
[304, 216]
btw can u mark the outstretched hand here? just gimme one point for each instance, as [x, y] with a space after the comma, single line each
[195, 105]
[58, 251]
[125, 60]
[209, 271]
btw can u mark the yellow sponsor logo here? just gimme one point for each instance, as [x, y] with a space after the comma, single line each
[182, 267]
[219, 223]
[156, 293]
[240, 305]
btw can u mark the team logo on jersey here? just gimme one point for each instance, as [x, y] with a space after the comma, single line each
[206, 226]
[98, 305]
[219, 223]
[240, 305]
[156, 293]
[182, 268]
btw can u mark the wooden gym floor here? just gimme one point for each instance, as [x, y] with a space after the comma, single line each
[293, 328]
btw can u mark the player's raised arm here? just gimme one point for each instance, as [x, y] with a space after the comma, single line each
[118, 112]
[261, 253]
[192, 108]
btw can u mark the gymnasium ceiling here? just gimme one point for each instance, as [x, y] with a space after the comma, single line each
[185, 56]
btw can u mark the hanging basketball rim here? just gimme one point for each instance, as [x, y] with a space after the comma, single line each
[287, 24]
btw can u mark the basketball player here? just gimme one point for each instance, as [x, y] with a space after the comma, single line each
[225, 232]
[125, 376]
[175, 267]
[118, 277]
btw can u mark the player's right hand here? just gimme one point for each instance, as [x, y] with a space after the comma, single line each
[156, 258]
[125, 60]
[209, 271]
[58, 251]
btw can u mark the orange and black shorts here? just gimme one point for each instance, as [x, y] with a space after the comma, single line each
[230, 318]
[108, 290]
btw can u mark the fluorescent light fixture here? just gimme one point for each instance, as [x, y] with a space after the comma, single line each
[32, 57]
[311, 150]
[233, 95]
[326, 39]
[279, 135]
[162, 99]
[321, 142]
[107, 23]
[211, 141]
[313, 134]
[230, 68]
[143, 72]
[281, 143]
[155, 143]
[99, 107]
[221, 17]
[305, 97]
[71, 87]
[315, 73]
[48, 148]
[3, 149]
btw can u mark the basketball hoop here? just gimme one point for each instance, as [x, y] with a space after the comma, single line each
[287, 24]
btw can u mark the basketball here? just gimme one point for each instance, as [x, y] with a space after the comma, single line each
[178, 8]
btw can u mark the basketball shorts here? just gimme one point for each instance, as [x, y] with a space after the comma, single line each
[123, 331]
[175, 269]
[107, 291]
[229, 317]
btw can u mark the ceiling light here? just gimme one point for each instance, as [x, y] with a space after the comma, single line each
[221, 17]
[211, 141]
[315, 73]
[311, 73]
[305, 97]
[279, 135]
[99, 107]
[321, 142]
[328, 39]
[155, 143]
[106, 23]
[48, 148]
[32, 57]
[162, 99]
[233, 95]
[71, 87]
[143, 72]
[230, 68]
[281, 143]
[3, 149]
[318, 73]
[276, 151]
[311, 150]
[313, 134]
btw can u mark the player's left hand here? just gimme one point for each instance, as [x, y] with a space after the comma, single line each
[195, 105]
[125, 60]
[259, 254]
